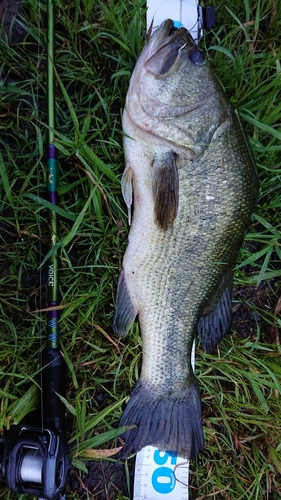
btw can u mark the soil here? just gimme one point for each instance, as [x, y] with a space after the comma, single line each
[11, 28]
[105, 481]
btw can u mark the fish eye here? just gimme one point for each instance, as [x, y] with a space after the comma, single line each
[197, 56]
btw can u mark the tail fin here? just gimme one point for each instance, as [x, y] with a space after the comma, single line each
[168, 423]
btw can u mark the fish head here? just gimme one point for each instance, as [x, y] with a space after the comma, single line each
[172, 78]
[170, 49]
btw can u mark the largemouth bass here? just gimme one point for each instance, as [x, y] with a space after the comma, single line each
[195, 185]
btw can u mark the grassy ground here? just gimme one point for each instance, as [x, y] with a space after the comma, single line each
[97, 44]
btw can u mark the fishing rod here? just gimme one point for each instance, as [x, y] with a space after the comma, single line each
[35, 457]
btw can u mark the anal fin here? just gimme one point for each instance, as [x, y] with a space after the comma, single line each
[125, 312]
[216, 322]
[165, 188]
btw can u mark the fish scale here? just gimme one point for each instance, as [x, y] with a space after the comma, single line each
[194, 186]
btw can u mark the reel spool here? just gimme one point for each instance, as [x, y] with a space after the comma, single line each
[31, 468]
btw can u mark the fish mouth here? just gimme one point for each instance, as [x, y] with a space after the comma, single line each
[172, 28]
[165, 45]
[167, 32]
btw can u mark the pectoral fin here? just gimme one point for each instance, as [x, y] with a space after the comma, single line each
[165, 188]
[127, 189]
[125, 312]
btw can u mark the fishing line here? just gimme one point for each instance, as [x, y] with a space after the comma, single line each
[181, 18]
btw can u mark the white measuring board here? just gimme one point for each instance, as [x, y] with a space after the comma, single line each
[163, 475]
[160, 474]
[187, 12]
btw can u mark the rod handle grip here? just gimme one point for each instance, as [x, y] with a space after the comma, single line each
[53, 380]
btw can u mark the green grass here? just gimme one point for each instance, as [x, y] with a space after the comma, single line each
[240, 385]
